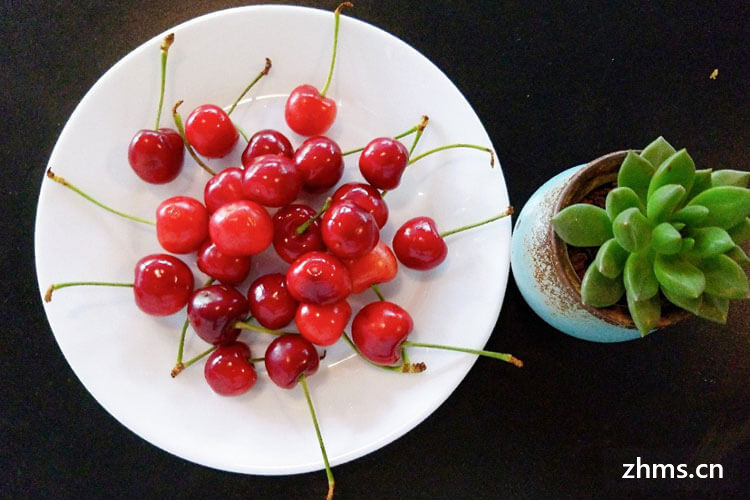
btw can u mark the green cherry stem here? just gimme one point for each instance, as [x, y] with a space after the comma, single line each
[329, 473]
[64, 182]
[377, 291]
[508, 358]
[507, 212]
[181, 129]
[243, 325]
[262, 73]
[416, 128]
[57, 286]
[336, 16]
[177, 369]
[303, 227]
[165, 44]
[242, 132]
[452, 146]
[419, 129]
[405, 367]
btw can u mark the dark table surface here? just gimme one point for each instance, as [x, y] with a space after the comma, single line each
[554, 85]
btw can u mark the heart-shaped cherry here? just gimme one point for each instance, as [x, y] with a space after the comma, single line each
[227, 269]
[379, 329]
[289, 357]
[241, 228]
[379, 265]
[287, 241]
[265, 142]
[181, 224]
[318, 278]
[348, 231]
[224, 187]
[271, 180]
[365, 197]
[228, 370]
[383, 161]
[323, 325]
[210, 131]
[271, 304]
[213, 312]
[320, 163]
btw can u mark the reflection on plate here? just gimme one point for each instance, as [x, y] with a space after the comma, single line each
[124, 357]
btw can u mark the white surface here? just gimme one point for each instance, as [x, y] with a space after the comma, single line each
[124, 357]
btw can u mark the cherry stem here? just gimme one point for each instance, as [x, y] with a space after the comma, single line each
[420, 129]
[336, 16]
[62, 181]
[404, 367]
[451, 146]
[377, 291]
[181, 366]
[507, 212]
[242, 325]
[303, 227]
[242, 132]
[181, 345]
[256, 360]
[165, 44]
[416, 128]
[508, 358]
[57, 286]
[178, 123]
[263, 73]
[329, 473]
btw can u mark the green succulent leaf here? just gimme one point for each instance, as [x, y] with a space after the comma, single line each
[582, 225]
[740, 233]
[713, 308]
[599, 291]
[678, 275]
[678, 225]
[638, 276]
[635, 173]
[664, 201]
[710, 241]
[677, 169]
[727, 205]
[665, 239]
[645, 313]
[738, 255]
[632, 230]
[729, 177]
[692, 305]
[610, 258]
[701, 183]
[692, 215]
[725, 278]
[687, 244]
[658, 151]
[620, 199]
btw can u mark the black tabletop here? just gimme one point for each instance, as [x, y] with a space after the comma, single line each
[555, 84]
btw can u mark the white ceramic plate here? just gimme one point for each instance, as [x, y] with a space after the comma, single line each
[124, 357]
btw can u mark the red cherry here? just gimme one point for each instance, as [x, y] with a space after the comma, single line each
[213, 312]
[181, 224]
[383, 161]
[287, 243]
[265, 142]
[241, 228]
[418, 245]
[309, 113]
[271, 304]
[348, 231]
[228, 370]
[318, 278]
[320, 163]
[365, 197]
[271, 180]
[156, 156]
[323, 325]
[288, 357]
[224, 187]
[229, 270]
[378, 331]
[163, 284]
[377, 266]
[210, 131]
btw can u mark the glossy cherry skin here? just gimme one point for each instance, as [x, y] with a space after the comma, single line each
[318, 278]
[379, 329]
[163, 284]
[288, 357]
[379, 265]
[181, 224]
[418, 245]
[156, 156]
[213, 311]
[288, 244]
[210, 131]
[365, 197]
[383, 161]
[228, 370]
[271, 304]
[241, 228]
[224, 187]
[272, 181]
[227, 269]
[267, 142]
[320, 163]
[309, 113]
[348, 231]
[323, 325]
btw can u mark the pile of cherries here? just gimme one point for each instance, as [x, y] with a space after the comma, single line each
[331, 252]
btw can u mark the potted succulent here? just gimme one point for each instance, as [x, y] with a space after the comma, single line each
[633, 241]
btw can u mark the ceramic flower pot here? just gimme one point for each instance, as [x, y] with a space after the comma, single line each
[542, 267]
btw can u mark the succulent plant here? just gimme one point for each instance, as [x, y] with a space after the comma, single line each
[667, 230]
